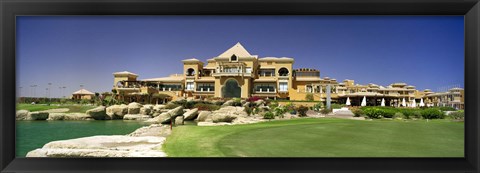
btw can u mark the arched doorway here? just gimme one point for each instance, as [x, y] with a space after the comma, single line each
[231, 89]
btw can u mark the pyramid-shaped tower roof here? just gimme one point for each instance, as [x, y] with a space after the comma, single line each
[238, 50]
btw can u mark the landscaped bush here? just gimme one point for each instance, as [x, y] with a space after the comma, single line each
[273, 105]
[357, 112]
[248, 110]
[432, 113]
[317, 106]
[189, 104]
[459, 115]
[268, 115]
[325, 111]
[254, 99]
[337, 106]
[302, 111]
[399, 115]
[445, 108]
[206, 107]
[388, 113]
[373, 112]
[309, 97]
[280, 111]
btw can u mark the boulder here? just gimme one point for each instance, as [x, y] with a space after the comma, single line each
[158, 107]
[179, 120]
[176, 112]
[103, 146]
[134, 108]
[228, 103]
[136, 117]
[191, 114]
[222, 118]
[204, 116]
[98, 113]
[69, 116]
[155, 114]
[21, 115]
[146, 110]
[152, 130]
[246, 104]
[37, 116]
[117, 111]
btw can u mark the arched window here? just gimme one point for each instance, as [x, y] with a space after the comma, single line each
[190, 72]
[283, 71]
[233, 58]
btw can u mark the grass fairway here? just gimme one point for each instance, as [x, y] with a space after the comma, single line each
[42, 107]
[324, 137]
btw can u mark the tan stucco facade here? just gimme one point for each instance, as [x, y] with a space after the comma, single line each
[272, 77]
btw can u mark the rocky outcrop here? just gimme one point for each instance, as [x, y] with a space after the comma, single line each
[21, 115]
[166, 117]
[228, 114]
[176, 112]
[146, 110]
[69, 116]
[134, 108]
[136, 117]
[103, 146]
[191, 114]
[179, 120]
[152, 130]
[204, 116]
[98, 113]
[228, 103]
[117, 111]
[37, 116]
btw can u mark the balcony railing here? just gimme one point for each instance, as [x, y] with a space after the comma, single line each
[205, 89]
[265, 90]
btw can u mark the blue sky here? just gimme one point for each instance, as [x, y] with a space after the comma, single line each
[424, 51]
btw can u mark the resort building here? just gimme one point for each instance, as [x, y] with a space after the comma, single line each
[237, 73]
[82, 94]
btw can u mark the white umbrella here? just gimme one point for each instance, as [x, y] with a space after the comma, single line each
[364, 101]
[348, 101]
[414, 103]
[383, 102]
[403, 102]
[421, 103]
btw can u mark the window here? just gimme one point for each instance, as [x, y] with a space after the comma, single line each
[233, 58]
[205, 87]
[283, 71]
[265, 88]
[190, 86]
[190, 72]
[283, 86]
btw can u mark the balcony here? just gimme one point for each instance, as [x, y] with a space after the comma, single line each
[205, 89]
[228, 73]
[265, 90]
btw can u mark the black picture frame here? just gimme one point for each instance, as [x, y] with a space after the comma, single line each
[11, 8]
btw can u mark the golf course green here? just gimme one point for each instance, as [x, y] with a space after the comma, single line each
[321, 137]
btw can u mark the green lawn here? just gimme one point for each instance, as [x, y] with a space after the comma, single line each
[42, 107]
[324, 137]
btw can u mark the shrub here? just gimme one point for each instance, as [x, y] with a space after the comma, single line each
[325, 111]
[318, 106]
[237, 102]
[432, 113]
[189, 104]
[273, 105]
[398, 115]
[445, 108]
[268, 115]
[206, 107]
[280, 111]
[358, 112]
[459, 115]
[253, 99]
[309, 97]
[373, 112]
[302, 111]
[337, 106]
[248, 110]
[388, 113]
